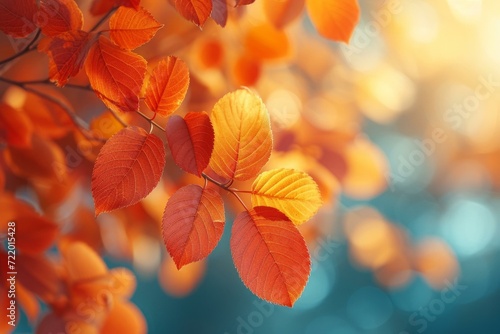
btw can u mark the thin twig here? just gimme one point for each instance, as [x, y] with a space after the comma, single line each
[104, 18]
[26, 49]
[118, 118]
[151, 121]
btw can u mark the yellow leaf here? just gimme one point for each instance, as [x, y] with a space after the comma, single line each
[292, 192]
[243, 138]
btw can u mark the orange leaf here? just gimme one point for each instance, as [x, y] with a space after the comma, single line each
[168, 85]
[124, 317]
[83, 263]
[42, 160]
[246, 70]
[281, 13]
[243, 138]
[127, 169]
[191, 141]
[219, 12]
[49, 119]
[265, 42]
[270, 255]
[58, 16]
[34, 233]
[334, 19]
[115, 74]
[39, 275]
[292, 192]
[67, 53]
[16, 17]
[100, 7]
[193, 223]
[15, 127]
[130, 28]
[106, 125]
[196, 11]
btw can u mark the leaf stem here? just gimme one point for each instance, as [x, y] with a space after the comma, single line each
[150, 120]
[226, 186]
[26, 49]
[79, 123]
[103, 19]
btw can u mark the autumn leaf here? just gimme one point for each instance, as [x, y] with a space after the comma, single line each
[193, 223]
[196, 11]
[83, 263]
[16, 17]
[265, 42]
[124, 317]
[100, 7]
[292, 192]
[39, 275]
[244, 2]
[168, 85]
[127, 169]
[334, 19]
[180, 282]
[270, 255]
[281, 13]
[58, 16]
[15, 127]
[246, 70]
[219, 12]
[43, 160]
[130, 28]
[116, 75]
[243, 138]
[191, 141]
[67, 53]
[34, 233]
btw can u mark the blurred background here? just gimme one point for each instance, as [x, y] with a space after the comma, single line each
[400, 128]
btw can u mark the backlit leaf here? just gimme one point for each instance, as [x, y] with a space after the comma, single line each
[270, 255]
[191, 141]
[58, 16]
[38, 275]
[281, 13]
[292, 192]
[243, 138]
[83, 263]
[16, 17]
[264, 41]
[334, 19]
[67, 53]
[127, 169]
[115, 74]
[193, 223]
[130, 28]
[124, 317]
[15, 127]
[34, 233]
[42, 160]
[196, 11]
[168, 85]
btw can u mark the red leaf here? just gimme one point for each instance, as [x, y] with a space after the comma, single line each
[168, 85]
[16, 17]
[100, 7]
[219, 12]
[193, 223]
[58, 16]
[244, 2]
[39, 275]
[196, 11]
[67, 53]
[281, 13]
[34, 233]
[270, 255]
[130, 28]
[116, 75]
[127, 169]
[191, 141]
[15, 127]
